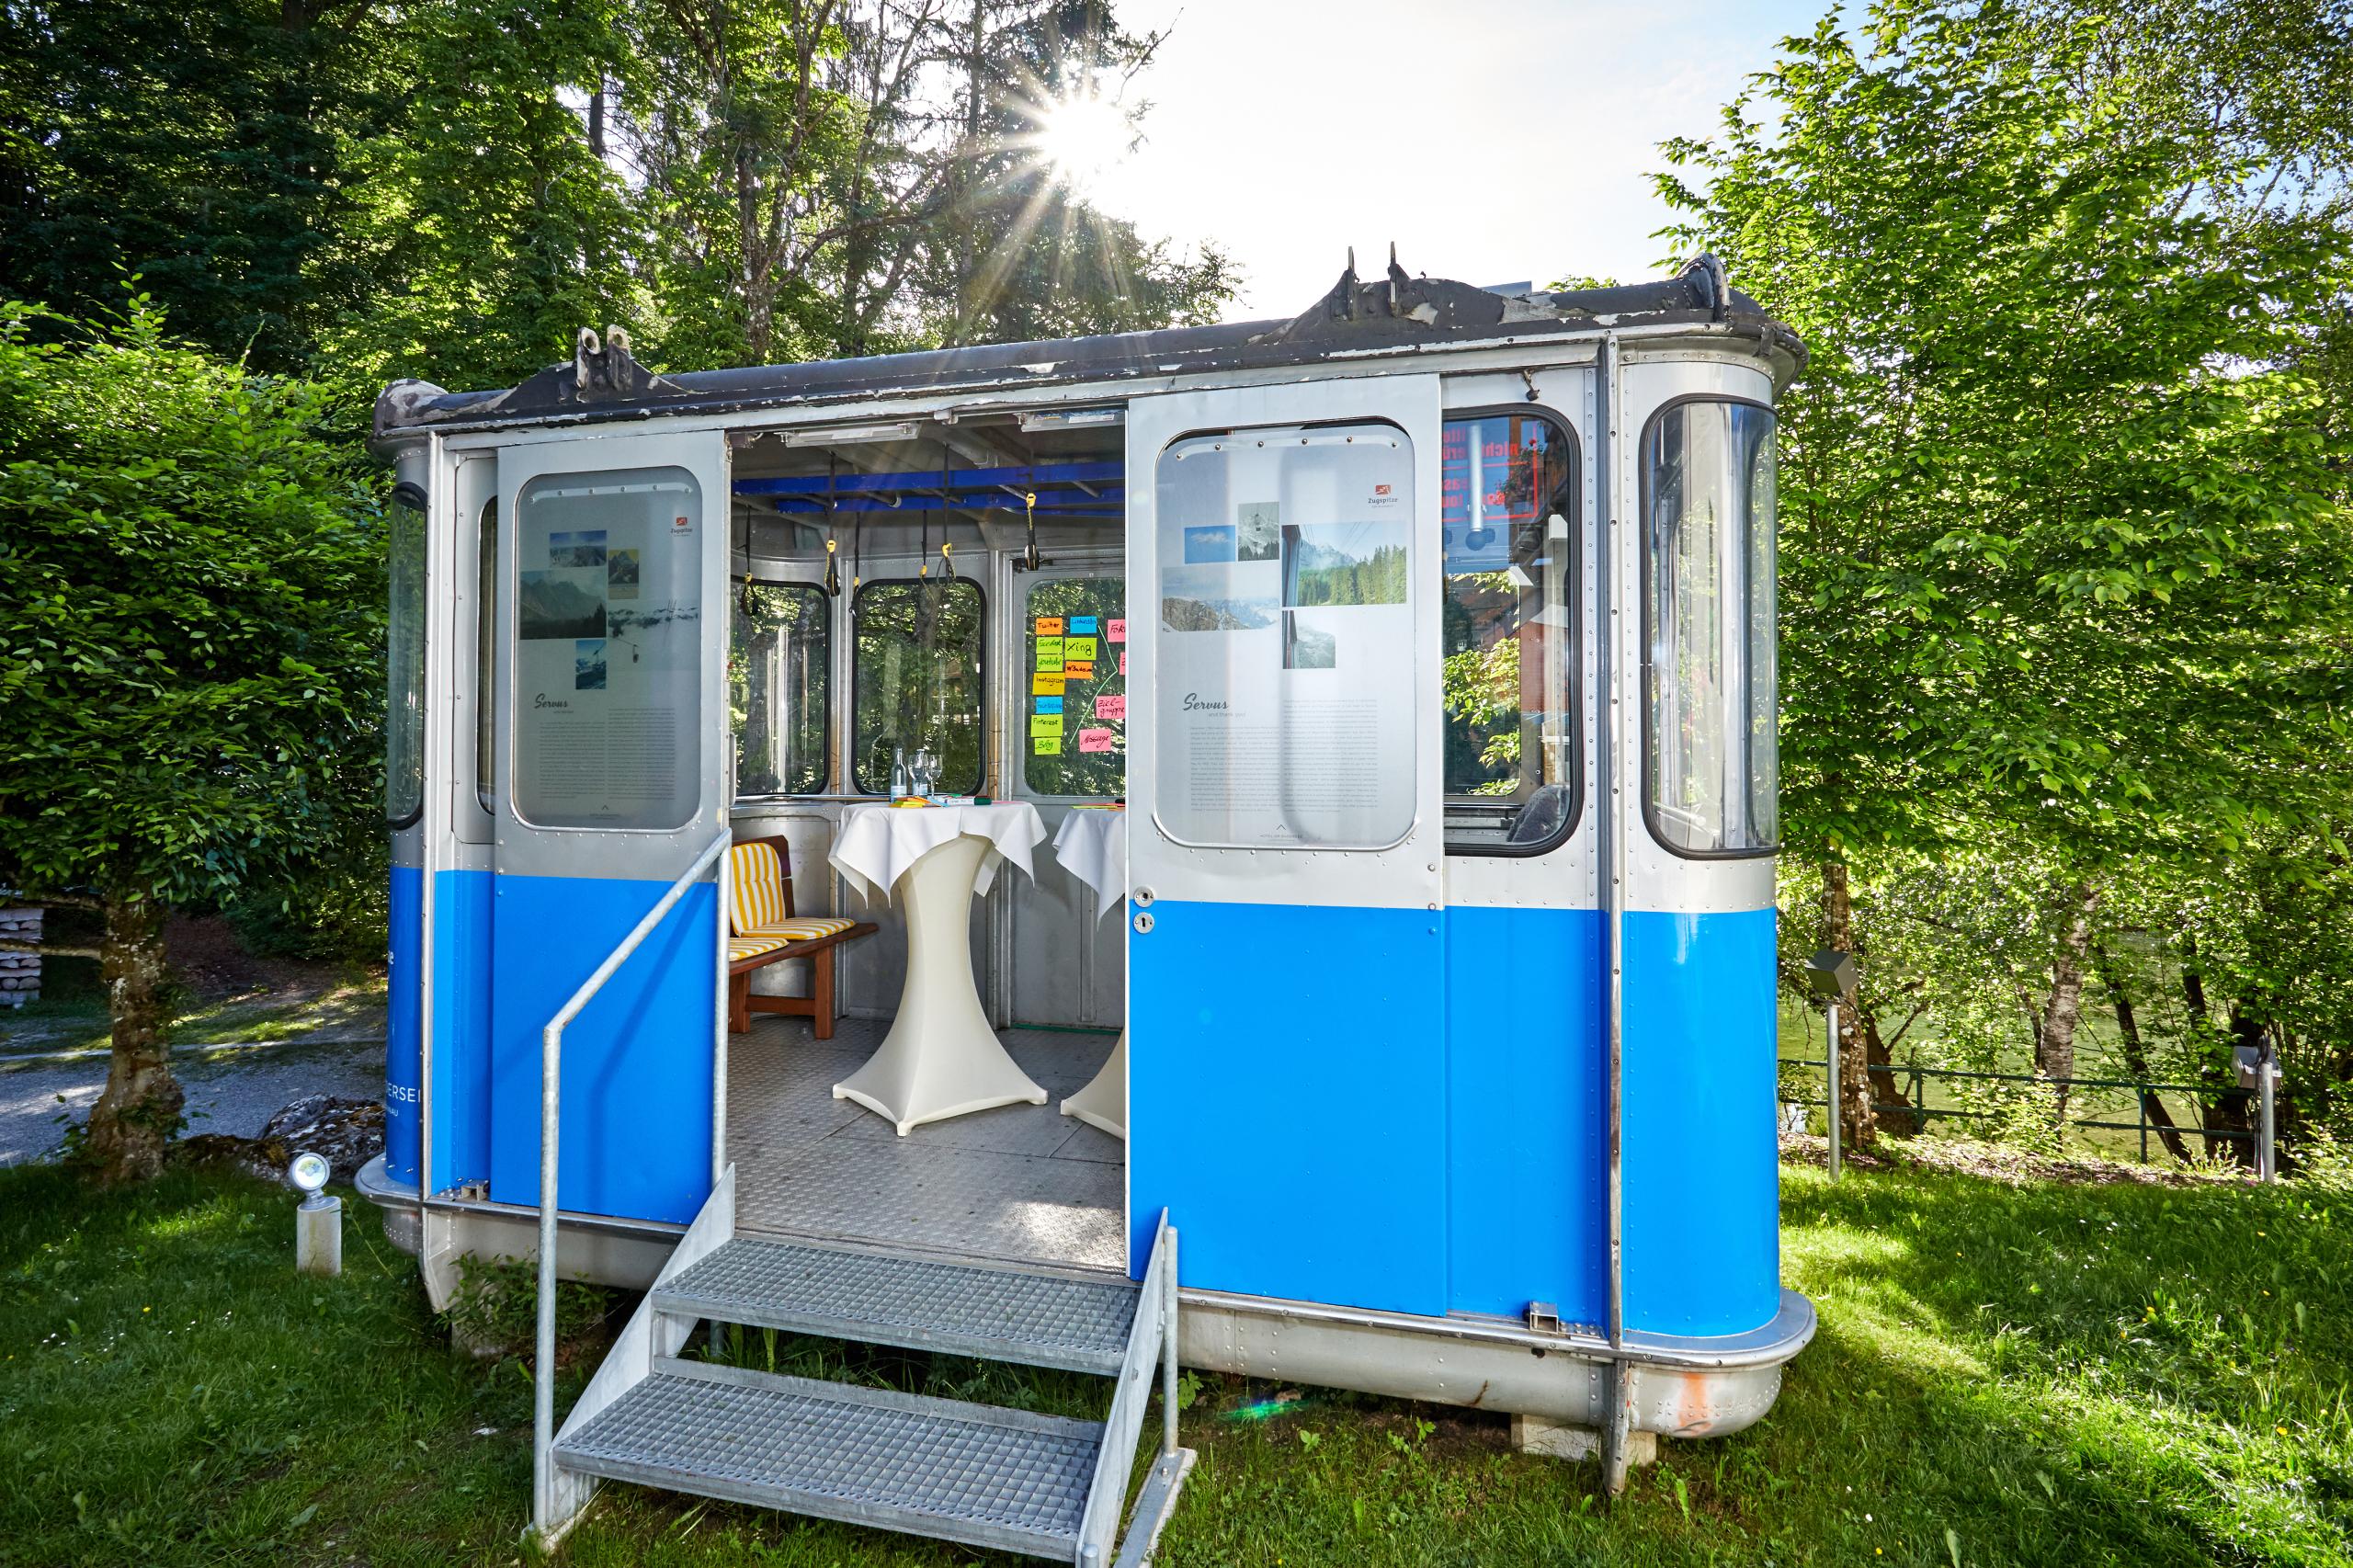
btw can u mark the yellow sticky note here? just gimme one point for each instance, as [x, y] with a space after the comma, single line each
[1045, 686]
[1046, 746]
[1049, 648]
[1046, 724]
[1078, 648]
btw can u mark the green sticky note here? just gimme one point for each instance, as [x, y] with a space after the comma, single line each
[1046, 746]
[1049, 648]
[1046, 724]
[1078, 648]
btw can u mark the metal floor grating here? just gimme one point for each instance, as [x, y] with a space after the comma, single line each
[987, 1476]
[1019, 1184]
[999, 1314]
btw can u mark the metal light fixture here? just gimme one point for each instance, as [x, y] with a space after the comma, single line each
[318, 1221]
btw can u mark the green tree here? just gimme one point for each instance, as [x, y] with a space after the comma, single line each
[2065, 543]
[190, 653]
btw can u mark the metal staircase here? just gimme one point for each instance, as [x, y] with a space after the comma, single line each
[975, 1473]
[979, 1474]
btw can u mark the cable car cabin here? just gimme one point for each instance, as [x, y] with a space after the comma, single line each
[1426, 641]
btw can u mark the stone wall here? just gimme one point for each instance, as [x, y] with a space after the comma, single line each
[20, 972]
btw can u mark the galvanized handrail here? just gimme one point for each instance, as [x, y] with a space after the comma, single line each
[551, 1084]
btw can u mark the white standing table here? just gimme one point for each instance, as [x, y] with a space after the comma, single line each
[1093, 846]
[940, 1058]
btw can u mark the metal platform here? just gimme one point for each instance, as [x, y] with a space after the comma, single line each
[972, 1473]
[1019, 1184]
[1000, 1314]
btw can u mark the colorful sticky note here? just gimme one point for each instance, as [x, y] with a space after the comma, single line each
[1045, 686]
[1045, 724]
[1079, 647]
[1123, 661]
[1082, 625]
[1050, 626]
[1095, 740]
[1079, 669]
[1046, 746]
[1051, 705]
[1116, 631]
[1052, 667]
[1111, 708]
[1049, 648]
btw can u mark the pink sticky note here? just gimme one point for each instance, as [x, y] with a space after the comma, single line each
[1123, 661]
[1095, 740]
[1111, 708]
[1115, 631]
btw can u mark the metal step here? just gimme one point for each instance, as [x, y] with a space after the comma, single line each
[973, 1473]
[999, 1314]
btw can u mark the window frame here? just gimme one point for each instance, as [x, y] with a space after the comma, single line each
[1577, 632]
[825, 719]
[851, 787]
[1642, 592]
[417, 502]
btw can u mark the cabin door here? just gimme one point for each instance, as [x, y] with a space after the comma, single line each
[611, 778]
[1287, 1078]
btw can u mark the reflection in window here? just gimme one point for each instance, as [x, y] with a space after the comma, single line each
[405, 660]
[778, 681]
[1509, 514]
[1708, 570]
[916, 680]
[605, 650]
[1086, 751]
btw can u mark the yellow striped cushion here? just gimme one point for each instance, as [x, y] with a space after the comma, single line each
[805, 929]
[742, 948]
[759, 881]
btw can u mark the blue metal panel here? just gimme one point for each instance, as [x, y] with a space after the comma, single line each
[1702, 1183]
[460, 1028]
[635, 1139]
[403, 1023]
[1528, 1084]
[1287, 1100]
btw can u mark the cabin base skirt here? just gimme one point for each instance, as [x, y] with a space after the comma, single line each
[1682, 1387]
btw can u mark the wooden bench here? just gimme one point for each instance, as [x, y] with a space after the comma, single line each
[764, 930]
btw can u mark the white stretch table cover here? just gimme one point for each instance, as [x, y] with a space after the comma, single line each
[940, 1058]
[877, 843]
[1093, 845]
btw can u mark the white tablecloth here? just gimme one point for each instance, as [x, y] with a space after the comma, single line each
[877, 843]
[1093, 846]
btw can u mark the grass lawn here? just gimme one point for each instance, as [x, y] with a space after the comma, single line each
[2046, 1374]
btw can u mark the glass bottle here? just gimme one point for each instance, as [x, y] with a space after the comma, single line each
[899, 784]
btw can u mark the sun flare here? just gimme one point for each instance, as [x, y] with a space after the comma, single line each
[1082, 137]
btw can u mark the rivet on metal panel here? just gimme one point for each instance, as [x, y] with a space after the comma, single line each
[1143, 898]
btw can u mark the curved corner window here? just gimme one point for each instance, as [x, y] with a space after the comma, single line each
[1710, 754]
[404, 662]
[1509, 635]
[779, 680]
[916, 680]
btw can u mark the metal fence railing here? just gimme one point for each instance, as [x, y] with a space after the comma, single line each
[1914, 1103]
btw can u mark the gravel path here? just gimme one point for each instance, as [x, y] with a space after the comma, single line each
[229, 1089]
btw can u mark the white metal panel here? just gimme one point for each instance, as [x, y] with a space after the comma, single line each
[1658, 878]
[1405, 875]
[1566, 876]
[644, 854]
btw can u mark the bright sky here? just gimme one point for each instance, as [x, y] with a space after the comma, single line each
[1493, 142]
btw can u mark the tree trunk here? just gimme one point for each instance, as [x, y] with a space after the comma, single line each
[135, 1118]
[2054, 1041]
[2219, 1110]
[2136, 1057]
[1857, 1122]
